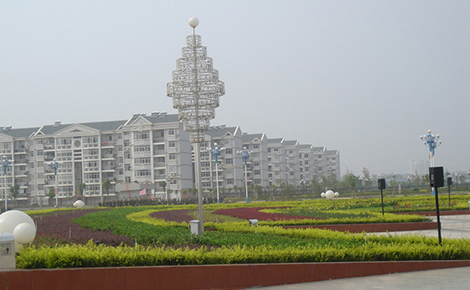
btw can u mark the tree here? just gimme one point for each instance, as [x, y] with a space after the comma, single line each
[367, 177]
[14, 191]
[50, 194]
[106, 185]
[81, 188]
[162, 185]
[351, 180]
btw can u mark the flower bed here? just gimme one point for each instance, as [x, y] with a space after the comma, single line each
[255, 213]
[59, 228]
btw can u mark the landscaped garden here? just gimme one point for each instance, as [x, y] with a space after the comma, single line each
[160, 235]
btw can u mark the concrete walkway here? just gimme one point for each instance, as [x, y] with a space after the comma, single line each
[452, 226]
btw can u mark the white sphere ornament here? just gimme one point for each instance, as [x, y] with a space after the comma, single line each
[24, 233]
[10, 219]
[329, 194]
[193, 22]
[336, 194]
[79, 204]
[322, 195]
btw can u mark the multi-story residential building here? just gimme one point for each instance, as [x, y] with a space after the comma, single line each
[230, 165]
[147, 152]
[326, 162]
[292, 161]
[306, 162]
[276, 162]
[257, 164]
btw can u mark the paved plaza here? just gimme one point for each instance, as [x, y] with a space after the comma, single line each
[453, 226]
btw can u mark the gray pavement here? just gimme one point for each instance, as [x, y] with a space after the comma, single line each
[453, 226]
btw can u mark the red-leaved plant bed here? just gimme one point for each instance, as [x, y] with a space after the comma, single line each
[255, 213]
[60, 228]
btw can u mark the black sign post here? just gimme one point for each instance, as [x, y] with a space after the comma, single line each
[436, 180]
[449, 183]
[381, 183]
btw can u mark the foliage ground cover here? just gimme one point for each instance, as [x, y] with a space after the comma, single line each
[163, 237]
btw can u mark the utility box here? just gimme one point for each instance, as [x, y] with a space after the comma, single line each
[195, 227]
[7, 251]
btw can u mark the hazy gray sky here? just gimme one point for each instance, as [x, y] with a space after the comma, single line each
[364, 77]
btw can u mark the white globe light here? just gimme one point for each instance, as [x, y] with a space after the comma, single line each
[323, 194]
[24, 233]
[336, 194]
[193, 22]
[79, 204]
[329, 194]
[10, 219]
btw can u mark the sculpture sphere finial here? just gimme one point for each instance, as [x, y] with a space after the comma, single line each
[193, 22]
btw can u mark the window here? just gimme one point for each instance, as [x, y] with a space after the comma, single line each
[159, 133]
[228, 151]
[255, 146]
[171, 144]
[228, 161]
[229, 181]
[64, 141]
[305, 155]
[90, 140]
[172, 156]
[144, 160]
[142, 148]
[146, 172]
[93, 175]
[257, 172]
[160, 159]
[269, 150]
[144, 135]
[171, 132]
[205, 164]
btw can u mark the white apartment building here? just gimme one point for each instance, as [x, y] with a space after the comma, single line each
[326, 162]
[141, 153]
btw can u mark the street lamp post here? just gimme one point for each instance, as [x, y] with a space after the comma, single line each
[216, 152]
[432, 141]
[54, 166]
[245, 154]
[5, 163]
[195, 91]
[362, 184]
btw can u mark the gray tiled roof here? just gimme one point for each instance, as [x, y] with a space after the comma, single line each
[250, 137]
[276, 140]
[290, 142]
[18, 133]
[221, 131]
[102, 126]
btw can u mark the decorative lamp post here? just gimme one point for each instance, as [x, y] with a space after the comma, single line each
[54, 166]
[244, 154]
[362, 184]
[5, 163]
[216, 152]
[432, 141]
[195, 91]
[409, 182]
